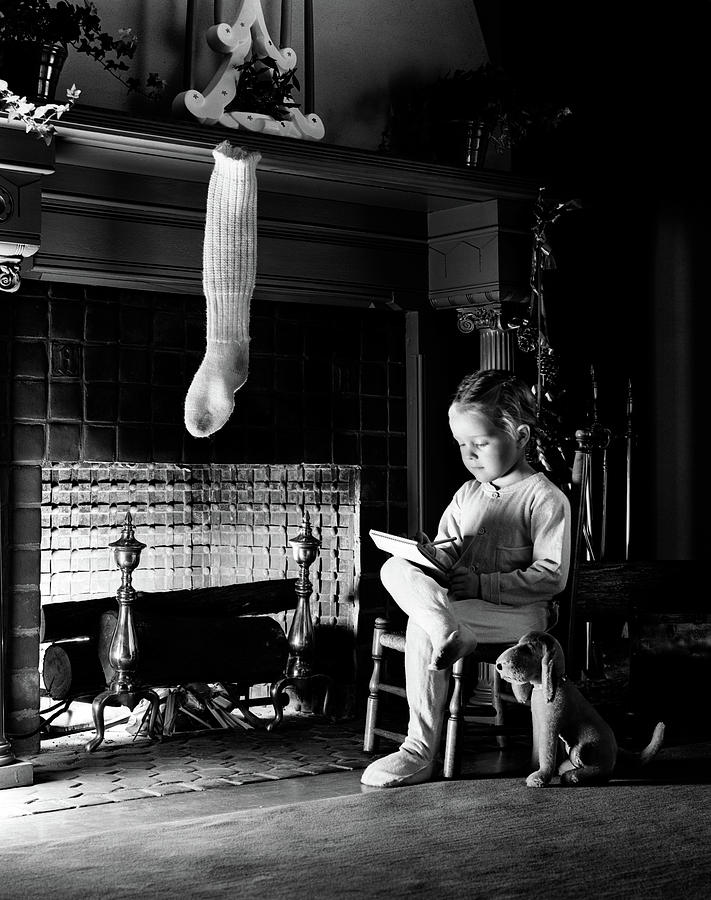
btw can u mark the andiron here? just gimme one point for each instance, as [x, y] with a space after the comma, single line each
[124, 689]
[299, 664]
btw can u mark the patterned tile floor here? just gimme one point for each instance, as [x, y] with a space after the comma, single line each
[125, 767]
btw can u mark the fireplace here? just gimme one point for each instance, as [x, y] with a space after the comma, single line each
[348, 362]
[96, 381]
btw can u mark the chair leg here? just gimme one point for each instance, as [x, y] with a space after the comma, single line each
[452, 755]
[370, 739]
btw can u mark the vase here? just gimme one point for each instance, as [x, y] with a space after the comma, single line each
[32, 69]
[463, 142]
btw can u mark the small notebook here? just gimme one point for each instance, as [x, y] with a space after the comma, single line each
[405, 548]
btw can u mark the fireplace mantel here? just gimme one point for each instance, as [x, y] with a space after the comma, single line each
[337, 173]
[125, 207]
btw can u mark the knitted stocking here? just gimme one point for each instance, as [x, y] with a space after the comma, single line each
[229, 270]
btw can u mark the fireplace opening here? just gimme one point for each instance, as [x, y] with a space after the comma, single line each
[204, 527]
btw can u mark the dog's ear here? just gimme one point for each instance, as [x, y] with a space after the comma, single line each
[549, 676]
[552, 666]
[522, 692]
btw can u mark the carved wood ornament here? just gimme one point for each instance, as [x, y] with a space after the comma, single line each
[22, 163]
[248, 34]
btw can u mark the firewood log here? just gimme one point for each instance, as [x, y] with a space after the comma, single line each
[72, 668]
[66, 621]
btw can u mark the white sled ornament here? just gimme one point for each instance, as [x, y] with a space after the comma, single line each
[247, 35]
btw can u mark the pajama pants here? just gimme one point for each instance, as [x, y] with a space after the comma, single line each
[432, 616]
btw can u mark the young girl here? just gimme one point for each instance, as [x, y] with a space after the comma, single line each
[509, 554]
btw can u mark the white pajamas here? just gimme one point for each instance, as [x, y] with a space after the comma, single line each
[517, 539]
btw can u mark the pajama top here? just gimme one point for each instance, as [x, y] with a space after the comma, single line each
[516, 538]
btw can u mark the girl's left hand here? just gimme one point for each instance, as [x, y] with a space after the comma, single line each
[463, 583]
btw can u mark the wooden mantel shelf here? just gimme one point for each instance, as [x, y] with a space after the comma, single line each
[340, 173]
[125, 207]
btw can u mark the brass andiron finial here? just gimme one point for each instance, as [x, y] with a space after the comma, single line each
[124, 689]
[123, 652]
[305, 548]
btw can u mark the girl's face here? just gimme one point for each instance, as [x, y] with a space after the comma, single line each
[489, 453]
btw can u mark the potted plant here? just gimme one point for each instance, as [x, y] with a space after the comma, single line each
[485, 104]
[464, 107]
[38, 120]
[263, 88]
[34, 39]
[454, 119]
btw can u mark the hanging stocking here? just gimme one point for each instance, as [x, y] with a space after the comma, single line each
[229, 270]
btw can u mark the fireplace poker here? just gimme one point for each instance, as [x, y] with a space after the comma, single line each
[628, 498]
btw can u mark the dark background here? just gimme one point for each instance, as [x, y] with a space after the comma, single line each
[631, 263]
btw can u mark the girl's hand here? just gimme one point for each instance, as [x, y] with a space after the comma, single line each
[463, 583]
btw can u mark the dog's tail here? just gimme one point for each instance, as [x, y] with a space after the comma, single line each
[650, 751]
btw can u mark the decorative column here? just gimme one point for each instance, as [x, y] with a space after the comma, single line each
[479, 257]
[13, 772]
[496, 342]
[496, 351]
[6, 754]
[23, 160]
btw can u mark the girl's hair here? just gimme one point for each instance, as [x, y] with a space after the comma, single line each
[505, 398]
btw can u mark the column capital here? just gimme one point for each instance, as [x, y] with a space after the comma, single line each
[23, 161]
[496, 337]
[476, 318]
[11, 259]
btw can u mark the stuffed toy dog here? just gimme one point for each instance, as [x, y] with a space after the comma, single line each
[535, 667]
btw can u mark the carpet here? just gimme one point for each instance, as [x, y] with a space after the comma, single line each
[486, 838]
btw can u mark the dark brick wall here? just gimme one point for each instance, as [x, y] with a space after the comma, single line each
[100, 375]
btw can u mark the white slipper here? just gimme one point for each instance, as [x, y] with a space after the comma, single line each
[398, 770]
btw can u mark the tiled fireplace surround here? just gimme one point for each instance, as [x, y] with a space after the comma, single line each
[92, 389]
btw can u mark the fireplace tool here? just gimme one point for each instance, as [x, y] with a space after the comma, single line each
[124, 689]
[629, 440]
[597, 437]
[299, 664]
